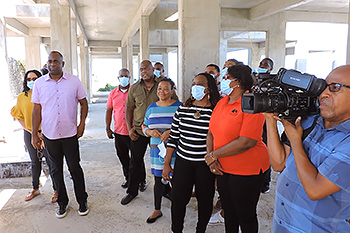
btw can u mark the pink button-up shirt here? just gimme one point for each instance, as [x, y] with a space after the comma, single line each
[59, 104]
[116, 101]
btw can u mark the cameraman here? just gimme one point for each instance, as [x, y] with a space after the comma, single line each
[313, 191]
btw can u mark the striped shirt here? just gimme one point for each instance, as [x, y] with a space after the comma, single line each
[189, 135]
[160, 118]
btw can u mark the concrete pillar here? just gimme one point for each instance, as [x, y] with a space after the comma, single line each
[223, 50]
[129, 55]
[144, 37]
[88, 64]
[276, 40]
[197, 47]
[165, 63]
[348, 46]
[124, 56]
[32, 47]
[74, 44]
[5, 95]
[256, 53]
[82, 68]
[60, 22]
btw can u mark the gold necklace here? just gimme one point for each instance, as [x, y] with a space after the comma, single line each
[197, 114]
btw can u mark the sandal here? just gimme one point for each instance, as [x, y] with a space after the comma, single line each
[54, 197]
[32, 194]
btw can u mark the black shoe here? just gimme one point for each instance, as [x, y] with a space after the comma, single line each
[152, 220]
[61, 211]
[265, 189]
[125, 184]
[127, 199]
[83, 209]
[142, 186]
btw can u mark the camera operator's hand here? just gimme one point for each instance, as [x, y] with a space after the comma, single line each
[293, 132]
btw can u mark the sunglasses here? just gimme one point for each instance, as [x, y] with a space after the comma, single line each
[335, 87]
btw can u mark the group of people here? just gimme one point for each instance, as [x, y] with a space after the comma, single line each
[211, 138]
[192, 144]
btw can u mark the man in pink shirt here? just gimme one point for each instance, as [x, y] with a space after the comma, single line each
[116, 105]
[55, 97]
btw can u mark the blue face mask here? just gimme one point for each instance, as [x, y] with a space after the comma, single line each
[124, 81]
[223, 73]
[261, 70]
[198, 92]
[225, 86]
[30, 84]
[156, 73]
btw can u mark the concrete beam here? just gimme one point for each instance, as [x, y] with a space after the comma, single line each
[146, 8]
[105, 43]
[36, 10]
[274, 6]
[43, 32]
[321, 17]
[74, 9]
[16, 26]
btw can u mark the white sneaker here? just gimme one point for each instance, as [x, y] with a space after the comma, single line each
[216, 219]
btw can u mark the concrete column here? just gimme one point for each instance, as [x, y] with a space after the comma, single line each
[144, 37]
[88, 64]
[256, 53]
[223, 50]
[165, 63]
[60, 22]
[276, 40]
[129, 54]
[74, 44]
[82, 57]
[5, 95]
[32, 47]
[124, 57]
[348, 46]
[197, 47]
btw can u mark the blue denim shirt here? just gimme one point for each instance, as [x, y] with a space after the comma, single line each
[329, 151]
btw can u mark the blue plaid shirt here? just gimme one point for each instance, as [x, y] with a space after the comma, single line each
[329, 151]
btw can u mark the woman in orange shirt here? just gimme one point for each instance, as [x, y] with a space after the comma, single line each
[236, 153]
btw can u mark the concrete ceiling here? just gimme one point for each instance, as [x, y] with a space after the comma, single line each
[113, 20]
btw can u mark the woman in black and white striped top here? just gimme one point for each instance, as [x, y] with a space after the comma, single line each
[188, 135]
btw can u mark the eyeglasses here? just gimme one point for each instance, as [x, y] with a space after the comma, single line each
[335, 87]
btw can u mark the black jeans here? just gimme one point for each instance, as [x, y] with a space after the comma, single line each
[68, 148]
[159, 190]
[137, 172]
[35, 161]
[186, 174]
[122, 146]
[239, 197]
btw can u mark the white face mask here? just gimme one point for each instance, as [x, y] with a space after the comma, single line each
[124, 81]
[30, 84]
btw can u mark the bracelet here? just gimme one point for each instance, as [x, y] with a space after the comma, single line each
[211, 155]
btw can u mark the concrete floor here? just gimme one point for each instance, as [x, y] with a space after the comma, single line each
[103, 177]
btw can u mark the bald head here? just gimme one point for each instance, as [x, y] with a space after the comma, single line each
[341, 72]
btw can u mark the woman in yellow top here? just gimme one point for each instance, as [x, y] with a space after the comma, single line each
[22, 111]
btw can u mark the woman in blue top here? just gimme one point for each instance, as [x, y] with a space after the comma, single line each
[157, 124]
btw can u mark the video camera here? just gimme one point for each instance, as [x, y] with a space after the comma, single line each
[289, 93]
